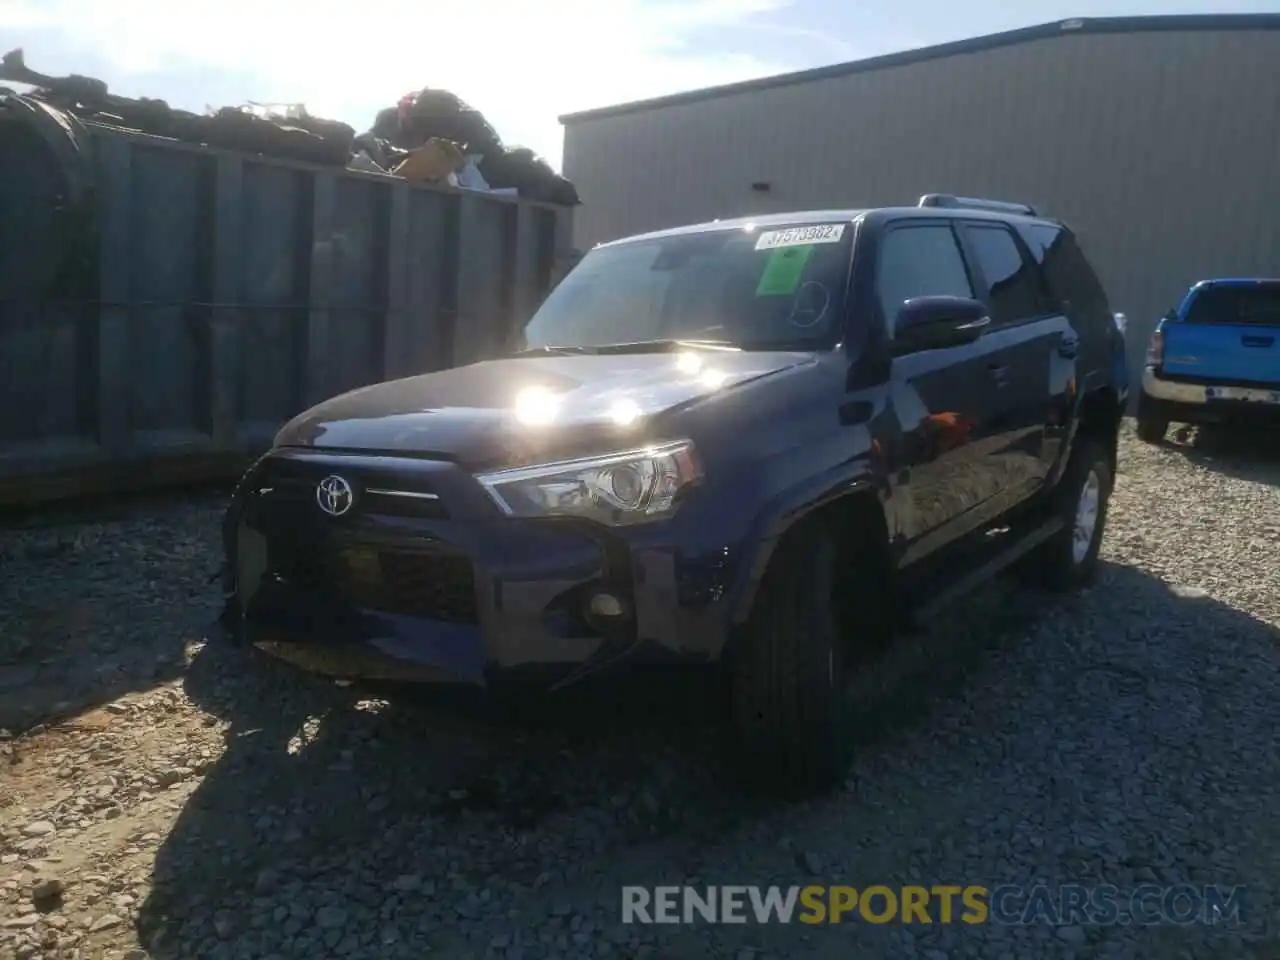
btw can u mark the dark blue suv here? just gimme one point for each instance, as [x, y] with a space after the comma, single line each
[763, 444]
[1214, 359]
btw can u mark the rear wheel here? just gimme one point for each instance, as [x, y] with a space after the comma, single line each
[790, 702]
[1151, 425]
[1069, 558]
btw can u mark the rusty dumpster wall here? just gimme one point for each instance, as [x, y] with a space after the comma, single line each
[229, 292]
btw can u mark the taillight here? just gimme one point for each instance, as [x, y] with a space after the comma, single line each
[1155, 349]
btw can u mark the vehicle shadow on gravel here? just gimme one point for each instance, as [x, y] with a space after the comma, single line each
[99, 599]
[1239, 452]
[331, 827]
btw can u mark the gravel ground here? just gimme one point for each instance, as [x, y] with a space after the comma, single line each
[184, 798]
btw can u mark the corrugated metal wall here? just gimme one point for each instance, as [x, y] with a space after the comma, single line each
[1161, 149]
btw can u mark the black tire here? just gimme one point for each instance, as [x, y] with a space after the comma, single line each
[1151, 429]
[1058, 564]
[788, 699]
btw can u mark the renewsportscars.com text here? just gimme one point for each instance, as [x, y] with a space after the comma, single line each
[1012, 905]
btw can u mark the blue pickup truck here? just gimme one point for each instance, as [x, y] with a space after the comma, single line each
[1215, 359]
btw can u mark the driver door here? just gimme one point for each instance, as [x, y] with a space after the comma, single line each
[945, 400]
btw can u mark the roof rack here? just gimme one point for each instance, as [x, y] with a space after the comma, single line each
[975, 203]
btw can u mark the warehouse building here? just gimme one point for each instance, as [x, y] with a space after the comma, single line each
[1156, 138]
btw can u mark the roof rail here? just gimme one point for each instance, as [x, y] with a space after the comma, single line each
[975, 203]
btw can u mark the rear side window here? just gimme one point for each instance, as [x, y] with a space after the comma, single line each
[1013, 286]
[1258, 304]
[923, 261]
[1071, 281]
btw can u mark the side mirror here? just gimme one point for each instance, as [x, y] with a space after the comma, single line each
[931, 323]
[1121, 321]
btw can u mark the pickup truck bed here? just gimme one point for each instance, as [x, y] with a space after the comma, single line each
[1216, 358]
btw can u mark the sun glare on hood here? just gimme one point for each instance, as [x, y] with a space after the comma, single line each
[537, 406]
[688, 362]
[624, 412]
[540, 407]
[713, 378]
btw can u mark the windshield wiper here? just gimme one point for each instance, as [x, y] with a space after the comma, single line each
[802, 344]
[553, 351]
[672, 345]
[663, 345]
[668, 345]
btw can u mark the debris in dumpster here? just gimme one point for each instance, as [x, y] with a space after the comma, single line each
[381, 153]
[429, 114]
[306, 138]
[429, 135]
[530, 175]
[435, 160]
[470, 176]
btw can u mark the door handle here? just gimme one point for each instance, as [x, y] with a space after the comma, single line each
[1257, 341]
[998, 371]
[1068, 347]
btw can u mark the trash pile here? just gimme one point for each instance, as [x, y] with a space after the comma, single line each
[433, 135]
[430, 135]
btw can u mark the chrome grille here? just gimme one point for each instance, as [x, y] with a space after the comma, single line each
[284, 480]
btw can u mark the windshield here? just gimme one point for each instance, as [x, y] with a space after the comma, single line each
[772, 288]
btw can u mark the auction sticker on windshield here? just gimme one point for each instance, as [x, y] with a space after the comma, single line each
[795, 236]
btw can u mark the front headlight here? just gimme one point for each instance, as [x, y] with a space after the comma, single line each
[632, 486]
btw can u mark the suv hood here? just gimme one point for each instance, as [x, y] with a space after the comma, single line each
[520, 409]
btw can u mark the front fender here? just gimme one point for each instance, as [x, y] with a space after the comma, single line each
[783, 512]
[231, 525]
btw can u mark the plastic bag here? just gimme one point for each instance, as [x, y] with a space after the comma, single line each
[469, 177]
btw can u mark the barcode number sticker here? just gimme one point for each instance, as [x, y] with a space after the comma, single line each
[799, 236]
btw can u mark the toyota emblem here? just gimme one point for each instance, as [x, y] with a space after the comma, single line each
[335, 495]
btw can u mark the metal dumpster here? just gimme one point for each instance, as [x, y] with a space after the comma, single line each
[166, 307]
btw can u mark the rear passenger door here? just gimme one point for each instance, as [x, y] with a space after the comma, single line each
[943, 400]
[1075, 292]
[1026, 331]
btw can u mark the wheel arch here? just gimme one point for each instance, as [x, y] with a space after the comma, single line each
[854, 507]
[1098, 413]
[1098, 418]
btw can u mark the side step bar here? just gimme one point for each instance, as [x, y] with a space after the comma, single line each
[986, 571]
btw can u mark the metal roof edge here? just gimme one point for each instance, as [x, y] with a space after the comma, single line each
[992, 41]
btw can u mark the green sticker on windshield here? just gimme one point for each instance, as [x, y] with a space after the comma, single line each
[782, 270]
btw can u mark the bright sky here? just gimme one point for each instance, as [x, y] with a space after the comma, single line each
[521, 63]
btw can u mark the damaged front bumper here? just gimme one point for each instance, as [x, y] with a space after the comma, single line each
[447, 590]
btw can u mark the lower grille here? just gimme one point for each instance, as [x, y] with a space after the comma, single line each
[435, 586]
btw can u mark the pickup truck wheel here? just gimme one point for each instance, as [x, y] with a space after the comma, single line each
[787, 675]
[1069, 558]
[1151, 429]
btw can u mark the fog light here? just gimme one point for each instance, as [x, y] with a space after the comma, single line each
[606, 605]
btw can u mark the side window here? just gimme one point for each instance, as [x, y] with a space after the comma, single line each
[922, 261]
[1071, 281]
[1014, 289]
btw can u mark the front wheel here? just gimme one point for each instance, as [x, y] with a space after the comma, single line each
[788, 696]
[1069, 558]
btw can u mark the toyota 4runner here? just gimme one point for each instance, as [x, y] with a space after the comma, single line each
[752, 443]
